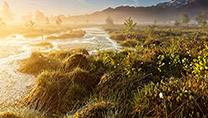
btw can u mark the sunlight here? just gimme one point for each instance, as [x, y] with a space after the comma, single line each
[103, 59]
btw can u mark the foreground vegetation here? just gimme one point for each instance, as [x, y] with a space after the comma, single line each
[161, 72]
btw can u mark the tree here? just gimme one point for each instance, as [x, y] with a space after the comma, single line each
[6, 13]
[39, 17]
[185, 18]
[27, 17]
[47, 20]
[30, 23]
[201, 19]
[2, 23]
[109, 21]
[177, 23]
[58, 21]
[130, 25]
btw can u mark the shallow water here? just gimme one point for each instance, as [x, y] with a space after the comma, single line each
[14, 85]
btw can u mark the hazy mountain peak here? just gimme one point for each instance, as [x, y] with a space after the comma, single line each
[175, 3]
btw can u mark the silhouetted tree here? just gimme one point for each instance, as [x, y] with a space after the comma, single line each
[39, 17]
[47, 20]
[6, 13]
[130, 25]
[201, 19]
[87, 21]
[109, 21]
[2, 22]
[58, 21]
[177, 22]
[30, 23]
[27, 17]
[185, 18]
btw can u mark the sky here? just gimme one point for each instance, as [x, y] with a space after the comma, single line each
[71, 7]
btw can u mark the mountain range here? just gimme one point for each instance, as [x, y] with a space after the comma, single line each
[161, 12]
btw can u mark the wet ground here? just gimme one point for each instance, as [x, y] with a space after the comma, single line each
[13, 84]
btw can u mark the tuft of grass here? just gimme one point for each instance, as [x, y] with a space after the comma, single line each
[57, 92]
[74, 61]
[129, 43]
[8, 115]
[185, 97]
[44, 44]
[64, 54]
[95, 110]
[71, 35]
[37, 62]
[151, 43]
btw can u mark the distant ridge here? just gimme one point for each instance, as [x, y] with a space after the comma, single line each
[160, 12]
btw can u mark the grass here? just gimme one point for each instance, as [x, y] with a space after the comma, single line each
[64, 54]
[159, 73]
[55, 92]
[44, 44]
[37, 62]
[70, 35]
[8, 115]
[74, 61]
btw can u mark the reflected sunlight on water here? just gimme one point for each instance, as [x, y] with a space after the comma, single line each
[13, 84]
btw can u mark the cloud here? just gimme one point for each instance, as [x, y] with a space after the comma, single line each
[35, 3]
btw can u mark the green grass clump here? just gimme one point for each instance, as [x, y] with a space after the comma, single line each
[95, 110]
[129, 43]
[151, 42]
[63, 54]
[74, 61]
[185, 97]
[8, 115]
[71, 35]
[43, 44]
[37, 62]
[122, 36]
[57, 92]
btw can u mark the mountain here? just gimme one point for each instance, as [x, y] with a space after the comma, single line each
[175, 3]
[161, 12]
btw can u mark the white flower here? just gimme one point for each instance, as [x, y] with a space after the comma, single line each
[186, 91]
[161, 95]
